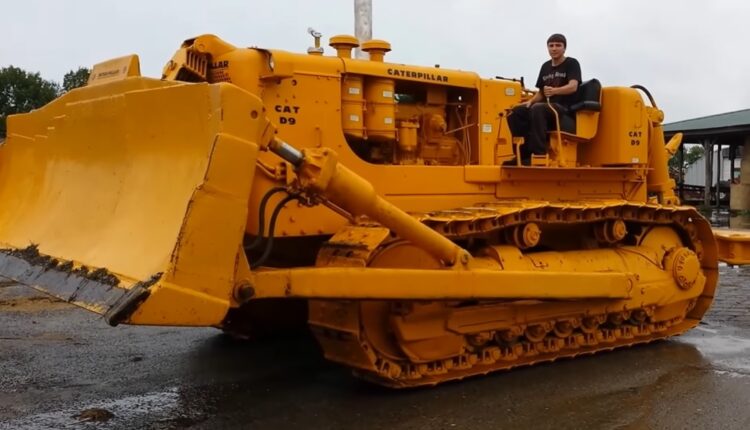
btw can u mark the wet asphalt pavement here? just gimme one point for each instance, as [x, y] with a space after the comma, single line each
[56, 361]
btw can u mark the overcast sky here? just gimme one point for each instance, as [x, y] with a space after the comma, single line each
[691, 54]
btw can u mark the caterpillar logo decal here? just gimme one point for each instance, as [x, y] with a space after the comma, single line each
[417, 75]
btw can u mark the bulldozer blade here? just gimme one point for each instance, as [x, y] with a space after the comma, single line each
[97, 291]
[130, 198]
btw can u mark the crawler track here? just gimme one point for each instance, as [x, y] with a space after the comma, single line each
[385, 342]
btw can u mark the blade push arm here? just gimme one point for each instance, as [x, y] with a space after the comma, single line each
[320, 173]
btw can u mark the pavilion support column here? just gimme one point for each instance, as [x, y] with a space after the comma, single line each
[732, 156]
[681, 173]
[739, 202]
[719, 162]
[708, 156]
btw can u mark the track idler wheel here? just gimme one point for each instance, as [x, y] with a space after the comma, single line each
[638, 317]
[508, 337]
[616, 319]
[523, 236]
[591, 324]
[564, 329]
[479, 340]
[610, 231]
[537, 332]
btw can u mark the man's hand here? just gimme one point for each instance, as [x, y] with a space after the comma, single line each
[550, 91]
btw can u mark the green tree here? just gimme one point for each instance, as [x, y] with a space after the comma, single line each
[693, 153]
[74, 79]
[21, 91]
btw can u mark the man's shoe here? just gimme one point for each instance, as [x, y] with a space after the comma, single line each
[510, 163]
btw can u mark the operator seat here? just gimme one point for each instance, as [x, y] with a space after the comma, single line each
[583, 126]
[579, 124]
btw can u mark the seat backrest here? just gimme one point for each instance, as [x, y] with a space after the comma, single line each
[589, 96]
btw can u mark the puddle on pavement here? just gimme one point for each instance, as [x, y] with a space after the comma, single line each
[166, 408]
[713, 342]
[728, 354]
[223, 382]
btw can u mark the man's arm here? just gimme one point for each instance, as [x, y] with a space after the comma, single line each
[538, 96]
[569, 88]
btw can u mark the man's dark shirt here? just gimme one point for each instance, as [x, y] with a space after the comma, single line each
[558, 76]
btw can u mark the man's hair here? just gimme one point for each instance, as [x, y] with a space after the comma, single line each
[557, 37]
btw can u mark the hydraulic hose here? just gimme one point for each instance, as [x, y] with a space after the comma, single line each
[261, 217]
[271, 227]
[648, 94]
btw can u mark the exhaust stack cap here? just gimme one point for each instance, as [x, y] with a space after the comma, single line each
[376, 48]
[317, 49]
[343, 44]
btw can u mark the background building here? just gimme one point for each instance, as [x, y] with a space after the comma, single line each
[725, 139]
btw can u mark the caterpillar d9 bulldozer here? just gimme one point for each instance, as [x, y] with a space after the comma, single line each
[251, 189]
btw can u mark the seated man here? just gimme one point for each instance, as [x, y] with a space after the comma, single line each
[557, 82]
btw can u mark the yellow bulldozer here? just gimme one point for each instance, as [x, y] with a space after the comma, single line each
[252, 189]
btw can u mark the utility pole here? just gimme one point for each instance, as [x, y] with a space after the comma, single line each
[362, 24]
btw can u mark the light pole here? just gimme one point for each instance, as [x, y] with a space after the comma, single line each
[362, 24]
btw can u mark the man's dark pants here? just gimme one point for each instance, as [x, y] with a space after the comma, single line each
[532, 123]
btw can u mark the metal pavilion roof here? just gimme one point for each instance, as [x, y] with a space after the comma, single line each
[729, 124]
